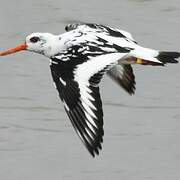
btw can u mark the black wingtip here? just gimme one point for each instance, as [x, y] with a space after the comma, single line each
[72, 26]
[94, 152]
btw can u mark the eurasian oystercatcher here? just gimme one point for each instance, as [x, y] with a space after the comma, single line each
[78, 60]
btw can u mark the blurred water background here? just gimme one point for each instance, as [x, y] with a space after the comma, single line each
[142, 132]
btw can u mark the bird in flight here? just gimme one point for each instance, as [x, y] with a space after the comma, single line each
[78, 60]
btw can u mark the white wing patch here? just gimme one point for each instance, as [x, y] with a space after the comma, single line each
[62, 81]
[84, 71]
[87, 69]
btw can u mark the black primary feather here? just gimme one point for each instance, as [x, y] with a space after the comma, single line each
[90, 133]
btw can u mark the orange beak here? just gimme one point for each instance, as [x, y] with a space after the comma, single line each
[14, 50]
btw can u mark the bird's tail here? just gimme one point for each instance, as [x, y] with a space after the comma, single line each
[145, 56]
[168, 57]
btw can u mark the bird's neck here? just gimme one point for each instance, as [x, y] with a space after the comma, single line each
[52, 47]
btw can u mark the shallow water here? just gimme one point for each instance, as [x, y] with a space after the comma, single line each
[141, 139]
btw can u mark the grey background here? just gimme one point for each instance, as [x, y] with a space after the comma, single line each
[142, 132]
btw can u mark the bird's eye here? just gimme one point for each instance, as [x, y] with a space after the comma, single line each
[34, 39]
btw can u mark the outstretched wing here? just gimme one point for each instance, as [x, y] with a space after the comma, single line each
[101, 28]
[72, 26]
[78, 89]
[123, 75]
[84, 108]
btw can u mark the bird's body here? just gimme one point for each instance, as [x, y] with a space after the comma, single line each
[78, 60]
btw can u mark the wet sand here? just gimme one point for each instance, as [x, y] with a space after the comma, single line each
[37, 141]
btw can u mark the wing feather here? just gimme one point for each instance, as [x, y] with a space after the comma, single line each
[123, 75]
[77, 71]
[87, 121]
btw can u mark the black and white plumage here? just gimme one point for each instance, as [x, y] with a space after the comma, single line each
[78, 60]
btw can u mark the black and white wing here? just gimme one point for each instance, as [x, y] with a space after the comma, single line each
[72, 26]
[101, 28]
[87, 52]
[78, 89]
[84, 108]
[123, 75]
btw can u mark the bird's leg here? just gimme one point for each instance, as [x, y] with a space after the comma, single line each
[135, 60]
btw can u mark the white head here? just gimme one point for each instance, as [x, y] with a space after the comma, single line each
[42, 43]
